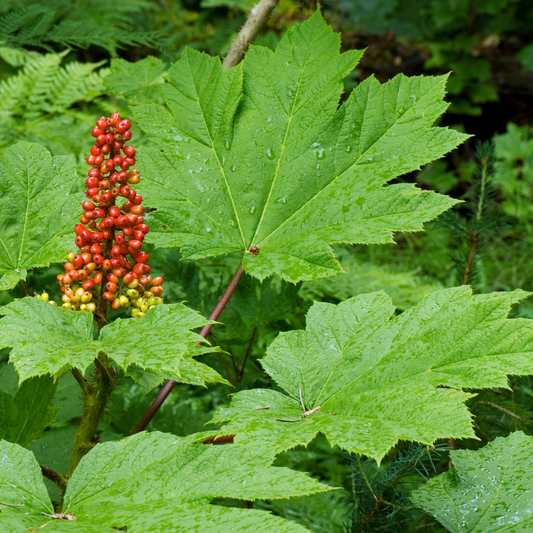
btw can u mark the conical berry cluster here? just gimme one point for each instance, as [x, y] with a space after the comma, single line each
[110, 265]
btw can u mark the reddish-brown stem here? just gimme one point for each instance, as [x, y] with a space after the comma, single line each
[24, 288]
[169, 385]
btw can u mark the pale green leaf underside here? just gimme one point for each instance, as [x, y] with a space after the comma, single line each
[263, 155]
[24, 416]
[379, 378]
[149, 482]
[488, 490]
[52, 340]
[37, 210]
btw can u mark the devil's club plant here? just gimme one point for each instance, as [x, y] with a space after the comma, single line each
[261, 160]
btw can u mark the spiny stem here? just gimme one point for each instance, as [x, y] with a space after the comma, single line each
[94, 403]
[169, 385]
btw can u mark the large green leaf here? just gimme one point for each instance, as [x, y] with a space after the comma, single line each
[158, 482]
[24, 416]
[262, 155]
[37, 211]
[379, 378]
[488, 490]
[52, 340]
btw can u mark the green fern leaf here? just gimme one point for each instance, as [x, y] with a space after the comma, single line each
[262, 155]
[487, 490]
[150, 482]
[52, 340]
[37, 210]
[373, 379]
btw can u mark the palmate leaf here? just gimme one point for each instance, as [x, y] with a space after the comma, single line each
[379, 378]
[37, 210]
[24, 416]
[52, 340]
[156, 482]
[488, 490]
[262, 155]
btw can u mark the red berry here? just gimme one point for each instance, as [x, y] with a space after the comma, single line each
[135, 244]
[106, 197]
[107, 234]
[78, 228]
[158, 281]
[112, 277]
[77, 261]
[128, 232]
[128, 278]
[156, 291]
[115, 251]
[80, 241]
[143, 227]
[98, 160]
[119, 238]
[117, 145]
[97, 278]
[87, 285]
[141, 269]
[106, 264]
[97, 237]
[125, 190]
[108, 295]
[88, 206]
[101, 123]
[109, 138]
[117, 160]
[138, 235]
[106, 149]
[129, 151]
[126, 124]
[137, 209]
[142, 257]
[111, 287]
[96, 132]
[114, 211]
[96, 249]
[115, 118]
[127, 135]
[98, 259]
[95, 150]
[101, 140]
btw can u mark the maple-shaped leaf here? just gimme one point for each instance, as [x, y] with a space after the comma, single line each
[369, 378]
[37, 211]
[24, 416]
[159, 482]
[487, 490]
[262, 155]
[52, 340]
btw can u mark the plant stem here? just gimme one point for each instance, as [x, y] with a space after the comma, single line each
[169, 385]
[239, 375]
[80, 379]
[256, 20]
[94, 403]
[52, 475]
[24, 288]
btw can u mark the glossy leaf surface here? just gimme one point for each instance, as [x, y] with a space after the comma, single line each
[52, 340]
[149, 482]
[372, 378]
[488, 490]
[24, 416]
[37, 211]
[262, 155]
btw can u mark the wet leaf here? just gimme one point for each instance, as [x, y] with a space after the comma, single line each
[262, 155]
[24, 416]
[52, 340]
[487, 490]
[373, 378]
[37, 211]
[150, 481]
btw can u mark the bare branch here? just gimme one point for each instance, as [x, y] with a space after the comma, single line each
[256, 20]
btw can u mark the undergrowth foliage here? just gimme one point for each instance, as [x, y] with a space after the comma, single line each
[262, 169]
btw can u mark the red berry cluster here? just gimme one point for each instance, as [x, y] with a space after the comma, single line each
[111, 231]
